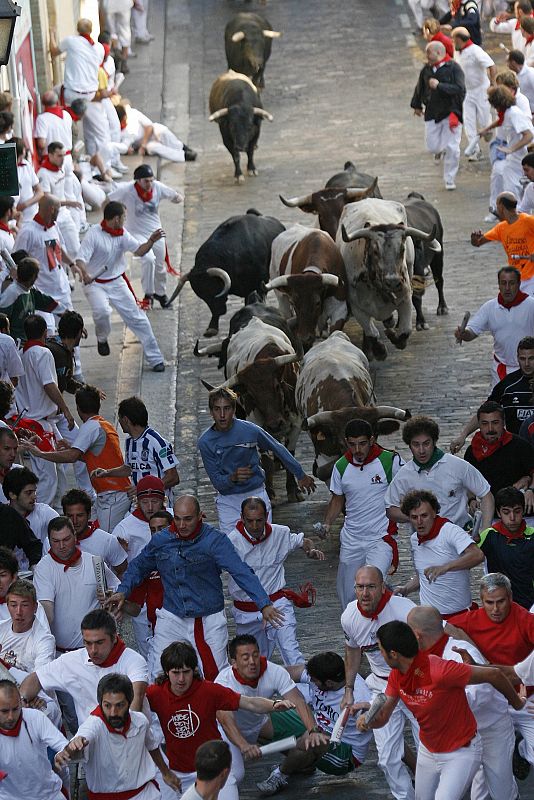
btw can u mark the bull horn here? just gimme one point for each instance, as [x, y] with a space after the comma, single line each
[216, 272]
[415, 233]
[178, 288]
[230, 382]
[261, 112]
[277, 283]
[272, 34]
[329, 280]
[321, 417]
[356, 193]
[391, 412]
[238, 36]
[222, 112]
[210, 350]
[361, 233]
[287, 358]
[294, 202]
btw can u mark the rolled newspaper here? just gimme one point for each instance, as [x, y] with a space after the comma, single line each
[319, 530]
[7, 258]
[341, 721]
[99, 273]
[375, 707]
[100, 575]
[5, 675]
[463, 324]
[278, 747]
[477, 524]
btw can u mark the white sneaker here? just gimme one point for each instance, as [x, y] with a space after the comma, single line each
[273, 784]
[120, 167]
[450, 186]
[476, 156]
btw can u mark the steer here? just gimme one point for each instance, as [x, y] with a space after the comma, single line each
[233, 260]
[247, 40]
[262, 369]
[333, 387]
[308, 272]
[236, 106]
[376, 244]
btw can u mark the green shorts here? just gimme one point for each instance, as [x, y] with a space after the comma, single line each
[287, 723]
[338, 758]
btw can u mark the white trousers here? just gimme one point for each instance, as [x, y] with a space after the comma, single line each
[269, 637]
[111, 508]
[119, 27]
[439, 138]
[446, 776]
[70, 232]
[524, 724]
[505, 177]
[96, 131]
[154, 269]
[229, 507]
[93, 194]
[421, 9]
[139, 21]
[103, 297]
[170, 628]
[375, 553]
[390, 745]
[51, 479]
[143, 632]
[72, 94]
[166, 145]
[476, 112]
[495, 778]
[80, 470]
[113, 119]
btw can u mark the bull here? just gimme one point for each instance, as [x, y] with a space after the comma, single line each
[308, 273]
[247, 41]
[377, 248]
[262, 370]
[345, 187]
[233, 260]
[235, 105]
[334, 387]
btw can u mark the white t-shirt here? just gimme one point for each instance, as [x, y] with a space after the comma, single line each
[266, 558]
[475, 61]
[10, 361]
[29, 650]
[526, 84]
[525, 670]
[90, 436]
[451, 592]
[134, 531]
[25, 759]
[55, 182]
[142, 219]
[81, 64]
[101, 543]
[75, 674]
[73, 592]
[28, 181]
[526, 204]
[39, 371]
[516, 122]
[38, 520]
[51, 128]
[136, 122]
[451, 479]
[119, 763]
[509, 26]
[275, 680]
[45, 246]
[99, 250]
[507, 326]
[40, 615]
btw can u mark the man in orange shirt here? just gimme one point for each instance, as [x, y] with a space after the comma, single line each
[516, 234]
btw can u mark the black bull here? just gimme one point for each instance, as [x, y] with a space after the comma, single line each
[424, 216]
[247, 42]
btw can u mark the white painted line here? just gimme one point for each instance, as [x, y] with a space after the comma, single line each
[404, 20]
[410, 40]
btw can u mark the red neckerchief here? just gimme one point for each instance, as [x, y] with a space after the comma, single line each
[69, 562]
[138, 514]
[253, 682]
[438, 647]
[107, 50]
[373, 453]
[529, 39]
[145, 196]
[2, 600]
[173, 529]
[91, 528]
[57, 110]
[6, 228]
[74, 116]
[40, 221]
[112, 231]
[518, 299]
[439, 522]
[384, 600]
[468, 44]
[15, 731]
[97, 712]
[87, 38]
[245, 534]
[444, 60]
[456, 7]
[47, 164]
[483, 449]
[114, 654]
[500, 116]
[500, 527]
[32, 343]
[124, 123]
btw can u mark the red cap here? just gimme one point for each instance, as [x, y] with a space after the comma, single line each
[150, 485]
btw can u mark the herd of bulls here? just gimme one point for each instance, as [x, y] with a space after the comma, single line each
[294, 368]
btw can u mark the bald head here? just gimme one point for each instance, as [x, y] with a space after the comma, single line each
[369, 574]
[49, 98]
[187, 516]
[435, 51]
[427, 624]
[84, 25]
[49, 206]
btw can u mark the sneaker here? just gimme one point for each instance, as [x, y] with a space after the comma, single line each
[491, 217]
[144, 39]
[190, 154]
[520, 765]
[84, 227]
[476, 156]
[159, 367]
[273, 784]
[438, 156]
[450, 186]
[146, 303]
[162, 299]
[115, 174]
[103, 348]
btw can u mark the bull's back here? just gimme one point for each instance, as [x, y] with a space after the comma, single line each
[256, 338]
[232, 88]
[283, 244]
[423, 215]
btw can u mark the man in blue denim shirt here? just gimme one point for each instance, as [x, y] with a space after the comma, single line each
[190, 556]
[229, 451]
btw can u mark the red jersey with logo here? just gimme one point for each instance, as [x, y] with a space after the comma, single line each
[189, 720]
[151, 593]
[434, 691]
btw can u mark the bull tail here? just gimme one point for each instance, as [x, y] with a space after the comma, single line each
[179, 286]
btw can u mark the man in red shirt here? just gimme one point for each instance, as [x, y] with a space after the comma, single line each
[433, 689]
[187, 706]
[503, 631]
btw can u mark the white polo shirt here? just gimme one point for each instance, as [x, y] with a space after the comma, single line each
[38, 521]
[451, 592]
[275, 680]
[142, 219]
[266, 558]
[10, 361]
[29, 650]
[134, 531]
[117, 762]
[526, 84]
[81, 64]
[475, 61]
[451, 479]
[75, 674]
[516, 122]
[39, 370]
[507, 326]
[28, 181]
[52, 128]
[45, 246]
[73, 592]
[25, 759]
[525, 669]
[99, 249]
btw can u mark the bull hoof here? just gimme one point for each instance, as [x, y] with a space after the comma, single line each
[209, 332]
[378, 350]
[422, 326]
[442, 311]
[294, 497]
[252, 172]
[239, 179]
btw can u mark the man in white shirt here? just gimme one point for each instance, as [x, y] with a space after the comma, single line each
[374, 606]
[54, 124]
[9, 569]
[443, 554]
[141, 198]
[525, 74]
[54, 175]
[213, 763]
[83, 58]
[143, 136]
[30, 190]
[526, 204]
[118, 16]
[479, 71]
[103, 265]
[504, 23]
[20, 489]
[24, 642]
[90, 537]
[509, 317]
[10, 363]
[8, 215]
